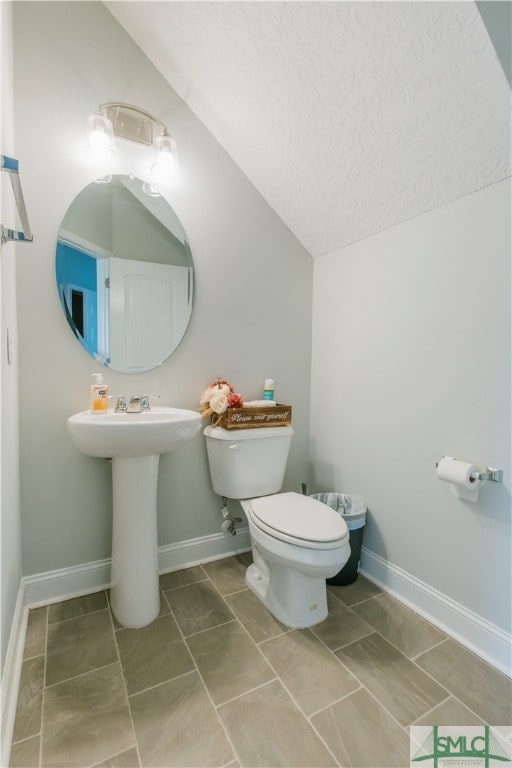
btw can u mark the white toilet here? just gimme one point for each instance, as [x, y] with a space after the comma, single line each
[297, 542]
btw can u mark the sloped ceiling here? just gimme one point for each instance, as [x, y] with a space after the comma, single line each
[348, 117]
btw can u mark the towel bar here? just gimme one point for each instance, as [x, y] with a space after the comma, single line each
[11, 166]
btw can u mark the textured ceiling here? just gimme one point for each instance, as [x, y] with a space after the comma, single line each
[348, 117]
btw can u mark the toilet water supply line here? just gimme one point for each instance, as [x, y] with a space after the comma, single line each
[228, 524]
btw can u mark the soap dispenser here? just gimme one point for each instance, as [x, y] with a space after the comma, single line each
[99, 394]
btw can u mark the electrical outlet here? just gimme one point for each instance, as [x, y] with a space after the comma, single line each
[10, 348]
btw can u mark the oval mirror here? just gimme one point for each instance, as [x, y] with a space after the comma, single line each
[124, 274]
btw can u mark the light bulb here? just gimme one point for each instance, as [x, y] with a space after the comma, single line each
[100, 147]
[165, 158]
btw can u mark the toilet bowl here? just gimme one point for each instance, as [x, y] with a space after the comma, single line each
[297, 542]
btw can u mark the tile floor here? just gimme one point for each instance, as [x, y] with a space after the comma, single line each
[215, 680]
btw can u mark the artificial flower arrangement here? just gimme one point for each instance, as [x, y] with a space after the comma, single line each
[219, 396]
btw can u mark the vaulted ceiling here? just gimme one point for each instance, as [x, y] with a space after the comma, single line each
[348, 117]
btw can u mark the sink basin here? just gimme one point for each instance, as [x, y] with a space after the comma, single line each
[134, 442]
[132, 434]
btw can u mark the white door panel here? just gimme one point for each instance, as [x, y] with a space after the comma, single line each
[146, 302]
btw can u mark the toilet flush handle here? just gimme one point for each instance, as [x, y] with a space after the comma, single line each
[234, 446]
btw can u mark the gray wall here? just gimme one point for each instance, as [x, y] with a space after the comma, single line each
[252, 314]
[411, 362]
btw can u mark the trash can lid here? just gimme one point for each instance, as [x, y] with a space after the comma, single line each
[300, 517]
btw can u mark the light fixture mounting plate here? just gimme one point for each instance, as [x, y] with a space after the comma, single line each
[131, 123]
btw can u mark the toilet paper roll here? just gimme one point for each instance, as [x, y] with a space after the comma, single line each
[459, 474]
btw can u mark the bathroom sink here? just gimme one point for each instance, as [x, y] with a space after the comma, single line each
[149, 433]
[134, 442]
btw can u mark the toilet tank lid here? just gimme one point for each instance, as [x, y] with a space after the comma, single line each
[299, 516]
[235, 435]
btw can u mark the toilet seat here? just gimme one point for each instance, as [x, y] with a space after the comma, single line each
[298, 520]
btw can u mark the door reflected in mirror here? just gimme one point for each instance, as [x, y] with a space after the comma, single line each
[124, 274]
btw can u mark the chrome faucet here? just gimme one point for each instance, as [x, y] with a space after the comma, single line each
[135, 404]
[139, 403]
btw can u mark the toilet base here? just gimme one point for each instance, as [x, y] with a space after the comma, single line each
[293, 598]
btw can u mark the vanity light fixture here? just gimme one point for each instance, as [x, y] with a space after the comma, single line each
[129, 122]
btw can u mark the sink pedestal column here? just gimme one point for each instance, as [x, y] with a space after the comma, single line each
[134, 591]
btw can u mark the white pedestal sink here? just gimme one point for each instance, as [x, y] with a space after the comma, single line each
[134, 442]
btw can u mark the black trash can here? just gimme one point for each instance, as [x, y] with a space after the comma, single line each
[353, 511]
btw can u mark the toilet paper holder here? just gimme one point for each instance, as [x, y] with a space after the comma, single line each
[495, 475]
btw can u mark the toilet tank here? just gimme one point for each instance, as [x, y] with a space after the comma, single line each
[247, 463]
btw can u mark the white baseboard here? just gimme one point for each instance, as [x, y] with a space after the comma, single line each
[184, 554]
[477, 634]
[11, 674]
[65, 583]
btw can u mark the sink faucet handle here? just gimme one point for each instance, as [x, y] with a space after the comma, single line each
[120, 403]
[145, 402]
